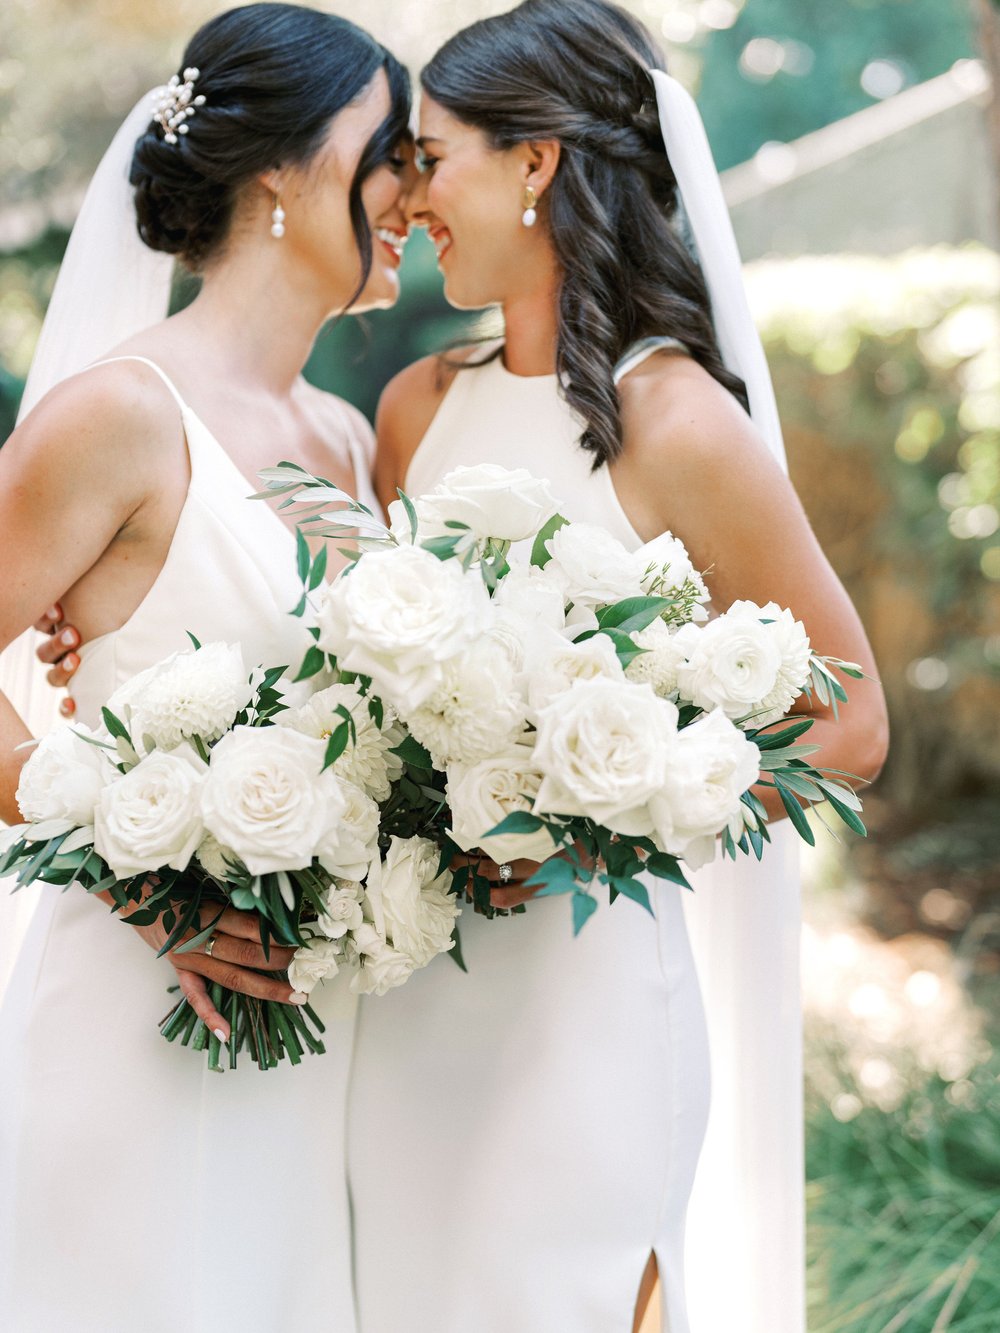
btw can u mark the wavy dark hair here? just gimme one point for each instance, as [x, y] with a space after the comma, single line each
[273, 76]
[576, 71]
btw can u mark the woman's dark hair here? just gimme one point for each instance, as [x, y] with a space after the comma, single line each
[576, 71]
[273, 77]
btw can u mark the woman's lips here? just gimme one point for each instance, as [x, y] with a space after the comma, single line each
[392, 243]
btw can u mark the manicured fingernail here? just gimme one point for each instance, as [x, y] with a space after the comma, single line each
[298, 997]
[67, 708]
[70, 662]
[68, 636]
[52, 613]
[220, 1034]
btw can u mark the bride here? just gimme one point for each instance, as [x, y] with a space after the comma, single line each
[135, 1190]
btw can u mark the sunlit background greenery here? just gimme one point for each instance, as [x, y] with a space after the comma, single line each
[887, 368]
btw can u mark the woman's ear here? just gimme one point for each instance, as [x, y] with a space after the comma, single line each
[271, 180]
[541, 158]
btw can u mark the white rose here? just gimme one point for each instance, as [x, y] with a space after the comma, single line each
[313, 962]
[194, 693]
[349, 844]
[476, 709]
[711, 765]
[732, 663]
[266, 798]
[660, 662]
[64, 776]
[151, 817]
[534, 595]
[492, 501]
[419, 910]
[367, 761]
[482, 795]
[399, 616]
[668, 572]
[592, 567]
[792, 642]
[554, 664]
[380, 967]
[212, 857]
[604, 748]
[342, 910]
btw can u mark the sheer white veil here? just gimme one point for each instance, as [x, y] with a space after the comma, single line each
[745, 1248]
[110, 286]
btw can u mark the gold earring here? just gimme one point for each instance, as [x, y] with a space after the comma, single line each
[528, 201]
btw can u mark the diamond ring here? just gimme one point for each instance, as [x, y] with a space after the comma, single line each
[506, 872]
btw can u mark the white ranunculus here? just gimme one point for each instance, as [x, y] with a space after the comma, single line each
[380, 967]
[348, 846]
[419, 910]
[399, 617]
[151, 817]
[313, 962]
[476, 709]
[481, 795]
[554, 664]
[533, 594]
[790, 637]
[368, 760]
[64, 776]
[604, 747]
[711, 765]
[342, 910]
[592, 567]
[659, 663]
[266, 798]
[492, 501]
[194, 693]
[731, 663]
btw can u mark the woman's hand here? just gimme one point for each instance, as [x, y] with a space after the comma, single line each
[58, 652]
[237, 962]
[507, 893]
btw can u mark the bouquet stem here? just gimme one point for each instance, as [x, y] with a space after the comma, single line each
[269, 1031]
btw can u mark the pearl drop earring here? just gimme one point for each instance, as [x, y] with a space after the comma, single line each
[277, 219]
[528, 201]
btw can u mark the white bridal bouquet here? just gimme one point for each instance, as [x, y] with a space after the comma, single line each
[578, 708]
[202, 789]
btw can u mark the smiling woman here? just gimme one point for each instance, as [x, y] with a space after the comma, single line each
[123, 495]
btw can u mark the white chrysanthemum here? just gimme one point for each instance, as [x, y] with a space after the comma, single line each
[792, 641]
[368, 760]
[313, 962]
[151, 817]
[481, 796]
[554, 664]
[64, 775]
[591, 567]
[476, 710]
[342, 910]
[659, 664]
[195, 693]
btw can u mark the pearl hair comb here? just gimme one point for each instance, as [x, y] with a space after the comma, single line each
[176, 103]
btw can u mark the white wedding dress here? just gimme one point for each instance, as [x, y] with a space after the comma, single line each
[137, 1190]
[520, 1137]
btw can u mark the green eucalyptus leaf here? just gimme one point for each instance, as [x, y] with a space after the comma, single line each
[540, 555]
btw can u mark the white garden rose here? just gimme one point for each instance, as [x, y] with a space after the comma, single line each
[64, 776]
[554, 664]
[507, 504]
[667, 571]
[151, 817]
[419, 910]
[731, 663]
[194, 693]
[790, 637]
[482, 795]
[347, 847]
[711, 765]
[368, 760]
[604, 748]
[313, 962]
[476, 709]
[533, 594]
[660, 662]
[266, 798]
[399, 616]
[592, 567]
[380, 967]
[342, 910]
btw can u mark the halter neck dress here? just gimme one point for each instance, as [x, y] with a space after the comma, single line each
[137, 1190]
[522, 1135]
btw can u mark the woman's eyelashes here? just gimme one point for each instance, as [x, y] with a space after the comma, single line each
[425, 161]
